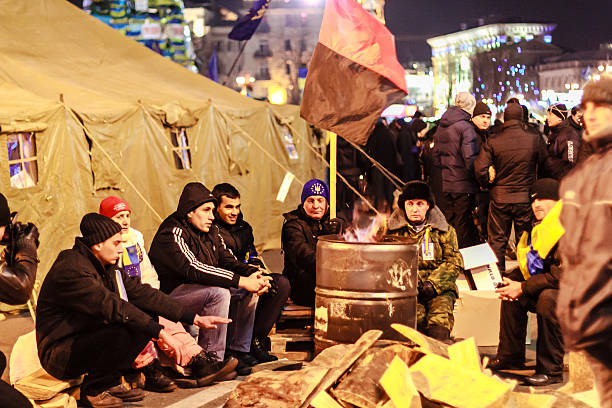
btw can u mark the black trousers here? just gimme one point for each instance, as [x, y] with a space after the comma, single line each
[482, 214]
[458, 209]
[513, 329]
[501, 217]
[9, 396]
[103, 354]
[270, 306]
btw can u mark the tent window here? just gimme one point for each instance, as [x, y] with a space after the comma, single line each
[22, 160]
[289, 144]
[180, 148]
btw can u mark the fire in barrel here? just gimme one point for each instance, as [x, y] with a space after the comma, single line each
[363, 286]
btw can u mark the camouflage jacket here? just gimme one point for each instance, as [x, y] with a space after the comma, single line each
[446, 262]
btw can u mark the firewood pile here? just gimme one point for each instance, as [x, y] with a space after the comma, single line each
[373, 373]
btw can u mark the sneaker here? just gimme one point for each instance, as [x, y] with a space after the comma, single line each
[101, 400]
[206, 368]
[260, 347]
[155, 379]
[126, 394]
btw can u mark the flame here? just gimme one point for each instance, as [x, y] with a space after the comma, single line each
[366, 227]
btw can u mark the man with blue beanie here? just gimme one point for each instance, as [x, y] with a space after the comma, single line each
[299, 240]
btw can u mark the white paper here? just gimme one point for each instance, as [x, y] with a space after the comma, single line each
[284, 187]
[477, 255]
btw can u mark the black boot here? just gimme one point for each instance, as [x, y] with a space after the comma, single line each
[439, 333]
[245, 361]
[155, 379]
[205, 368]
[260, 347]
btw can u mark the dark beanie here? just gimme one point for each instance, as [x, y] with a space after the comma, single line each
[97, 228]
[544, 189]
[416, 190]
[598, 91]
[481, 109]
[513, 111]
[559, 110]
[5, 212]
[416, 125]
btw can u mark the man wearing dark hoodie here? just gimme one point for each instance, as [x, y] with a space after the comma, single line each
[455, 149]
[563, 141]
[196, 269]
[507, 164]
[238, 237]
[584, 306]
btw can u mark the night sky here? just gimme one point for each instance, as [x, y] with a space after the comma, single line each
[581, 24]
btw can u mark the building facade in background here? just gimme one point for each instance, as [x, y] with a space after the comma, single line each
[452, 54]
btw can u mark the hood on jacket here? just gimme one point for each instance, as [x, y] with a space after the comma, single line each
[434, 217]
[453, 115]
[193, 196]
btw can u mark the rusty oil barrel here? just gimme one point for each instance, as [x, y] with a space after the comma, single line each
[363, 286]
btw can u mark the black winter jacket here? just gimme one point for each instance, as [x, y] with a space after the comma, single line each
[18, 264]
[515, 153]
[299, 243]
[239, 239]
[455, 149]
[182, 254]
[79, 295]
[563, 147]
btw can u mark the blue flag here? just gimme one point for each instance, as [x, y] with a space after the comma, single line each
[213, 67]
[246, 26]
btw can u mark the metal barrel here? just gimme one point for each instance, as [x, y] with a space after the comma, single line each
[363, 286]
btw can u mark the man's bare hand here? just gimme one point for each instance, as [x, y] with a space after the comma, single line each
[169, 344]
[210, 322]
[252, 283]
[510, 291]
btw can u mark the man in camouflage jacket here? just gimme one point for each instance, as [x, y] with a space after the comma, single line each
[439, 260]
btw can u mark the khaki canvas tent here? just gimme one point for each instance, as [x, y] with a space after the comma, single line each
[110, 117]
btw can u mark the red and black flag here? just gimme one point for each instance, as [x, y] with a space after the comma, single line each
[353, 74]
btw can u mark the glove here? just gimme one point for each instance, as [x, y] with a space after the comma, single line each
[426, 292]
[26, 242]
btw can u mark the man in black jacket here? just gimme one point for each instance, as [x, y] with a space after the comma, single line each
[238, 237]
[18, 262]
[534, 288]
[508, 164]
[93, 318]
[299, 240]
[196, 269]
[455, 149]
[563, 141]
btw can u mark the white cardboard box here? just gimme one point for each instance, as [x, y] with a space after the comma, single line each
[481, 264]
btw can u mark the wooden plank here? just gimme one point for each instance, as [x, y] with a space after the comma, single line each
[427, 344]
[580, 374]
[324, 400]
[465, 354]
[397, 383]
[361, 346]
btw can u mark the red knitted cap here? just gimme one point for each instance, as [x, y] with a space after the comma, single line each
[112, 205]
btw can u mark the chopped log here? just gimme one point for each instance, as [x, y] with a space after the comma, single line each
[465, 354]
[278, 365]
[361, 386]
[580, 374]
[439, 379]
[523, 399]
[276, 389]
[356, 350]
[427, 344]
[398, 384]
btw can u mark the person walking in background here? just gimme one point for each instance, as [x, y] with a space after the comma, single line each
[481, 119]
[563, 141]
[455, 149]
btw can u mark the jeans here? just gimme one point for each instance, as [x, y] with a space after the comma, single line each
[215, 301]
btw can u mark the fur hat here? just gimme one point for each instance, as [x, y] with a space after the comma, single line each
[598, 91]
[5, 212]
[97, 228]
[465, 101]
[315, 187]
[481, 108]
[112, 205]
[416, 190]
[544, 189]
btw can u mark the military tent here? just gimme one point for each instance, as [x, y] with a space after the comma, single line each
[86, 112]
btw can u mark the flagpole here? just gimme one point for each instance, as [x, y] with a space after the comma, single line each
[333, 143]
[235, 61]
